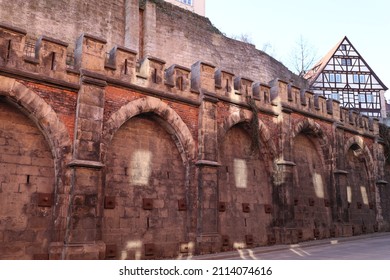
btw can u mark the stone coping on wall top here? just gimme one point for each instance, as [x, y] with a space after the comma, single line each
[155, 59]
[52, 40]
[340, 172]
[201, 78]
[13, 28]
[382, 182]
[124, 49]
[207, 163]
[86, 163]
[180, 67]
[285, 162]
[93, 37]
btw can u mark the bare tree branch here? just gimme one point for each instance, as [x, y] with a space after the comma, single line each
[303, 56]
[269, 49]
[243, 37]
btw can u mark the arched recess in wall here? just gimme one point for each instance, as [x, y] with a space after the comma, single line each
[244, 116]
[34, 150]
[244, 182]
[359, 193]
[177, 127]
[312, 194]
[147, 155]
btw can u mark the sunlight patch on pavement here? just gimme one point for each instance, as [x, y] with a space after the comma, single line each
[300, 252]
[252, 255]
[241, 254]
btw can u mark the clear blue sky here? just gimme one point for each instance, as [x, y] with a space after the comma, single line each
[281, 23]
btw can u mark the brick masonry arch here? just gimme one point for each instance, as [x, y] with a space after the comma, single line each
[244, 180]
[244, 116]
[56, 135]
[165, 174]
[42, 114]
[309, 125]
[356, 140]
[311, 128]
[171, 121]
[360, 191]
[312, 189]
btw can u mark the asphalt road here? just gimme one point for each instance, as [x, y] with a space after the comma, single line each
[367, 247]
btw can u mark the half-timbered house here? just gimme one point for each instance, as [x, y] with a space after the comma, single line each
[344, 75]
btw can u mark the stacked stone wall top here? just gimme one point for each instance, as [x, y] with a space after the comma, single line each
[65, 20]
[165, 29]
[197, 39]
[92, 61]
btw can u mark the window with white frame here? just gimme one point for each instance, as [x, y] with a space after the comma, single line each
[338, 78]
[369, 98]
[350, 97]
[331, 78]
[335, 96]
[187, 2]
[366, 97]
[346, 61]
[361, 78]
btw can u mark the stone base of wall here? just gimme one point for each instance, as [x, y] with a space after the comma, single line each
[286, 235]
[208, 243]
[345, 230]
[92, 251]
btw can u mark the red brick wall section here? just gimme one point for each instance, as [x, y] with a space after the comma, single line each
[62, 101]
[310, 190]
[384, 194]
[144, 163]
[116, 97]
[243, 179]
[360, 192]
[26, 169]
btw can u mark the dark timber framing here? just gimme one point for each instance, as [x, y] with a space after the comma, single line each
[344, 75]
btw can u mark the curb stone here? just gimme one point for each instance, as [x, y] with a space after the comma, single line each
[275, 248]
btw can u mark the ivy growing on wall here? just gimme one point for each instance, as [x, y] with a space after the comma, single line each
[384, 133]
[254, 125]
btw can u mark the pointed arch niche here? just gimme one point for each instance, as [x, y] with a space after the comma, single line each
[311, 187]
[244, 182]
[148, 155]
[360, 188]
[34, 150]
